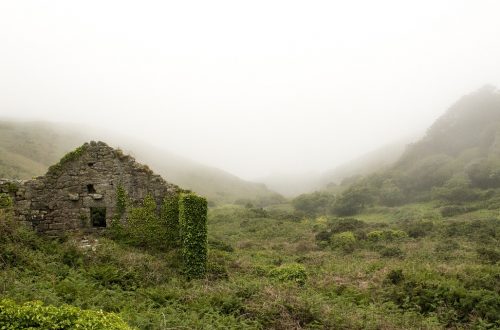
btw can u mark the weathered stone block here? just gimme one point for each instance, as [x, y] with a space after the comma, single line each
[73, 197]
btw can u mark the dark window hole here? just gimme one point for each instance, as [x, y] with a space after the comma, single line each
[98, 216]
[91, 189]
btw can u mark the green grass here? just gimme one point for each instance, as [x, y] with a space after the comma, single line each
[268, 273]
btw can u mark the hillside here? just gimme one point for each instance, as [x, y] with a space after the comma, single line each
[27, 149]
[456, 163]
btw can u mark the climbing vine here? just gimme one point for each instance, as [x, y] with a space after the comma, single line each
[121, 201]
[170, 218]
[143, 226]
[193, 233]
[5, 201]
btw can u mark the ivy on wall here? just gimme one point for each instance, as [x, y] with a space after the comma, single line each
[193, 233]
[182, 222]
[170, 218]
[5, 201]
[143, 226]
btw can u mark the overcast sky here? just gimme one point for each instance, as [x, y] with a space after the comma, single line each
[252, 87]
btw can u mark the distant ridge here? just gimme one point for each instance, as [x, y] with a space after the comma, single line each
[27, 149]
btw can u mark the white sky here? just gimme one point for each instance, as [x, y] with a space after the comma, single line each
[252, 87]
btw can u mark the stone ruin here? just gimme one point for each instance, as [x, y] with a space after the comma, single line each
[80, 192]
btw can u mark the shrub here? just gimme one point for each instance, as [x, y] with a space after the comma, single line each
[395, 276]
[5, 201]
[386, 235]
[419, 228]
[353, 200]
[313, 204]
[391, 252]
[345, 241]
[193, 233]
[346, 224]
[452, 304]
[290, 273]
[34, 315]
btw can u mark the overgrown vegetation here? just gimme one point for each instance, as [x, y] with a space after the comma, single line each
[70, 156]
[407, 267]
[412, 247]
[34, 315]
[193, 233]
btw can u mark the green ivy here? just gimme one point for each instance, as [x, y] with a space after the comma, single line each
[143, 226]
[193, 233]
[290, 273]
[34, 315]
[170, 217]
[5, 201]
[121, 201]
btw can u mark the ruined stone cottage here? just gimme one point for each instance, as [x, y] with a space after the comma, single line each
[80, 192]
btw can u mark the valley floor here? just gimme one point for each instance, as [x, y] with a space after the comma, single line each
[390, 268]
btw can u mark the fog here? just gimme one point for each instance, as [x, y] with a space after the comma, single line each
[252, 87]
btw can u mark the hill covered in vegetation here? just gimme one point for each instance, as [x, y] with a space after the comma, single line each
[456, 164]
[27, 149]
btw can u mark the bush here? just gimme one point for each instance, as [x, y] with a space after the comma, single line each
[313, 204]
[353, 200]
[290, 273]
[395, 276]
[419, 228]
[346, 224]
[345, 241]
[193, 233]
[391, 252]
[386, 235]
[5, 201]
[451, 304]
[34, 315]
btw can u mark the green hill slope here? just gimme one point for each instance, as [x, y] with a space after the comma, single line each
[457, 162]
[456, 165]
[27, 149]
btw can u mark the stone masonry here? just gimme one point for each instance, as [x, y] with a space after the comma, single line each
[80, 192]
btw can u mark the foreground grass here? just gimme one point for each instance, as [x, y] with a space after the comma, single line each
[269, 269]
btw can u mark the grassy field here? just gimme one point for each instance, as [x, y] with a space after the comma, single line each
[392, 268]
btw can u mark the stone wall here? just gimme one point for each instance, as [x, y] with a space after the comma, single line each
[84, 180]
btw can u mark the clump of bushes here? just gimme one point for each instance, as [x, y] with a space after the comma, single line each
[339, 225]
[451, 304]
[395, 276]
[35, 315]
[290, 273]
[386, 235]
[391, 252]
[345, 241]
